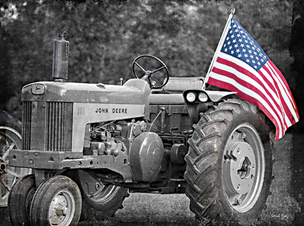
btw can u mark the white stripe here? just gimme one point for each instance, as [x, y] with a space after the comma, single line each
[278, 78]
[286, 95]
[279, 101]
[280, 112]
[249, 93]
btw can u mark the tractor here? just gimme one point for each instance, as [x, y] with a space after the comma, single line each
[90, 145]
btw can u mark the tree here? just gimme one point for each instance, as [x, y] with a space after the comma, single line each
[105, 36]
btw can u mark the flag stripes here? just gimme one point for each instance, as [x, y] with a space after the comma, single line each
[266, 88]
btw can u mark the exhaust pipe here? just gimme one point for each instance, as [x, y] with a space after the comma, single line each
[60, 58]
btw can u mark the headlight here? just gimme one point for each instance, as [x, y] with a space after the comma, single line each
[191, 97]
[202, 97]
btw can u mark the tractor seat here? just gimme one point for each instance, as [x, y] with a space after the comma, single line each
[171, 93]
[179, 84]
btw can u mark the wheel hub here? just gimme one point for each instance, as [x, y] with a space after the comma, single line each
[241, 168]
[2, 167]
[62, 208]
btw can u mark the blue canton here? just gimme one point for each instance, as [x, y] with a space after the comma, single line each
[241, 45]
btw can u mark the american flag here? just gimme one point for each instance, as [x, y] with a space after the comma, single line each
[242, 66]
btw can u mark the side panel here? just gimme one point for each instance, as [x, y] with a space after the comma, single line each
[85, 113]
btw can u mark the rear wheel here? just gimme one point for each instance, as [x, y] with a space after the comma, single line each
[57, 201]
[10, 138]
[99, 200]
[229, 164]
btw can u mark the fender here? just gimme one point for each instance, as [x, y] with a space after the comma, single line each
[216, 96]
[202, 100]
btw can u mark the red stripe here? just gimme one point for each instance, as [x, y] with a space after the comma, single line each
[287, 90]
[250, 86]
[281, 76]
[255, 90]
[249, 99]
[253, 77]
[279, 94]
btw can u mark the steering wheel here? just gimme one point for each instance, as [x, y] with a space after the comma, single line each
[148, 74]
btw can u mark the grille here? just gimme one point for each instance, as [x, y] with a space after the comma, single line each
[47, 126]
[26, 125]
[57, 122]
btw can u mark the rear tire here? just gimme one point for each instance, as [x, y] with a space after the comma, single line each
[229, 164]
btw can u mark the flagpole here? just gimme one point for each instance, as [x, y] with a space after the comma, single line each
[219, 46]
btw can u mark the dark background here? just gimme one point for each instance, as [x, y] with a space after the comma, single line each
[105, 36]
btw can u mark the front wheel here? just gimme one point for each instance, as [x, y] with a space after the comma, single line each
[20, 199]
[229, 164]
[57, 201]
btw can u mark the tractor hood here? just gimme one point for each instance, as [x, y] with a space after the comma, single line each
[134, 91]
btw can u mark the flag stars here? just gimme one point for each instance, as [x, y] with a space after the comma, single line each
[239, 44]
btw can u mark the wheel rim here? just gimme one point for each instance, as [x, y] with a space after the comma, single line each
[62, 208]
[243, 167]
[104, 193]
[95, 190]
[9, 139]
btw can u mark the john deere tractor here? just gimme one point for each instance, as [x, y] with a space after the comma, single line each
[89, 145]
